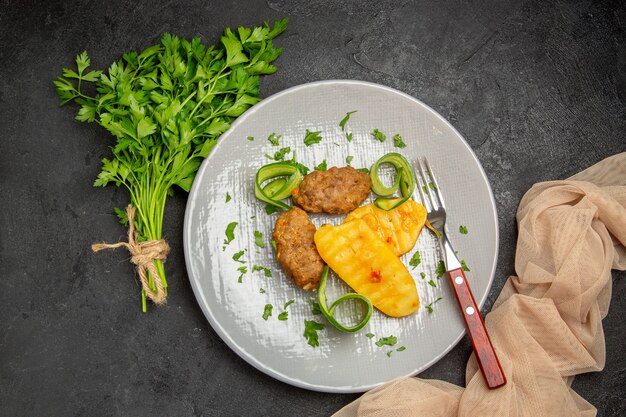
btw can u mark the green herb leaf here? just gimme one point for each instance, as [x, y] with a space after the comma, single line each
[343, 121]
[349, 136]
[311, 327]
[266, 271]
[422, 275]
[273, 138]
[441, 269]
[398, 142]
[261, 291]
[302, 168]
[463, 230]
[122, 216]
[369, 335]
[365, 170]
[269, 209]
[315, 307]
[389, 353]
[227, 197]
[379, 136]
[321, 166]
[242, 271]
[349, 159]
[429, 307]
[258, 239]
[230, 232]
[312, 137]
[267, 311]
[238, 255]
[283, 316]
[415, 260]
[287, 304]
[432, 283]
[387, 341]
[279, 155]
[273, 242]
[464, 265]
[250, 138]
[401, 349]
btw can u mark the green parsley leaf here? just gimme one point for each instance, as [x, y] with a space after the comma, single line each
[343, 121]
[378, 135]
[238, 255]
[280, 155]
[287, 304]
[389, 354]
[369, 335]
[269, 209]
[273, 138]
[398, 142]
[267, 311]
[349, 136]
[463, 230]
[365, 170]
[315, 307]
[122, 216]
[266, 271]
[273, 242]
[464, 265]
[312, 137]
[258, 239]
[302, 168]
[321, 166]
[422, 275]
[429, 307]
[261, 290]
[250, 138]
[441, 269]
[432, 283]
[401, 349]
[242, 270]
[349, 159]
[227, 197]
[311, 327]
[230, 232]
[283, 316]
[387, 341]
[415, 260]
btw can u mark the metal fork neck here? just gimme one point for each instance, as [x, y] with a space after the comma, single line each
[452, 262]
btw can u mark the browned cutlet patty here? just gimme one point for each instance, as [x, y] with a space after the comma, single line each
[338, 190]
[295, 247]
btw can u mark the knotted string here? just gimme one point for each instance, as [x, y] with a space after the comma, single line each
[143, 256]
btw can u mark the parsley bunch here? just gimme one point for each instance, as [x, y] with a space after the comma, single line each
[166, 106]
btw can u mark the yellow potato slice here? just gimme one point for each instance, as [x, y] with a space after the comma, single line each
[399, 227]
[368, 266]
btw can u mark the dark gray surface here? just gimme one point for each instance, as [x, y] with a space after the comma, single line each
[537, 89]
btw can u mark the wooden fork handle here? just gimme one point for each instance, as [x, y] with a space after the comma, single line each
[483, 349]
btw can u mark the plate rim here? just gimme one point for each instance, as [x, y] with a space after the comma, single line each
[244, 354]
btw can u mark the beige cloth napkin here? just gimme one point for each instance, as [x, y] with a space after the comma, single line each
[546, 324]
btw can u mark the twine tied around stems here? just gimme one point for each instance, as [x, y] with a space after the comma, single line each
[143, 256]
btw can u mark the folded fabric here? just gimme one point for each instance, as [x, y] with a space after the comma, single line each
[546, 325]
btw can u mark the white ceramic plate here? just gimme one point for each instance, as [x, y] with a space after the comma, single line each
[342, 362]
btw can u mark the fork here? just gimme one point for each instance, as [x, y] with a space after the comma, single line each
[436, 215]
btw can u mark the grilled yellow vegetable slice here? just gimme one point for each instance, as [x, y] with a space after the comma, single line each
[368, 266]
[398, 227]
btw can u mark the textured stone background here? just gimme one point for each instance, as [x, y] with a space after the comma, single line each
[537, 88]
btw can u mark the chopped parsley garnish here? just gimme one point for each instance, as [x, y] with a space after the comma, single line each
[230, 232]
[227, 197]
[349, 159]
[422, 275]
[321, 166]
[463, 230]
[441, 269]
[369, 335]
[261, 290]
[273, 242]
[367, 171]
[387, 341]
[415, 260]
[431, 185]
[315, 307]
[349, 136]
[266, 271]
[312, 137]
[389, 353]
[302, 168]
[238, 255]
[401, 349]
[267, 311]
[464, 265]
[311, 327]
[269, 209]
[343, 121]
[429, 307]
[250, 138]
[273, 138]
[258, 239]
[283, 316]
[242, 270]
[280, 155]
[378, 135]
[287, 304]
[398, 142]
[432, 283]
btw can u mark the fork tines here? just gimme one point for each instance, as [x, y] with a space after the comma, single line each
[426, 187]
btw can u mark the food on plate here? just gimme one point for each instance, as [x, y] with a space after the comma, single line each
[398, 228]
[295, 248]
[367, 264]
[335, 191]
[285, 177]
[404, 180]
